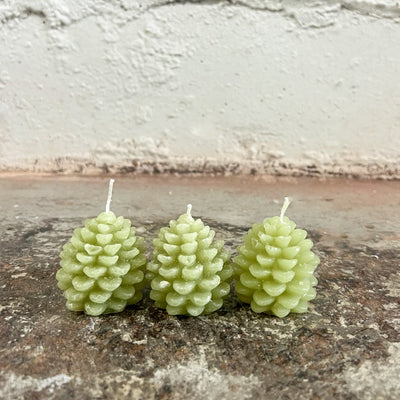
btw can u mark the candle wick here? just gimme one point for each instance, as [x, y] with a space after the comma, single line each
[189, 210]
[110, 189]
[286, 203]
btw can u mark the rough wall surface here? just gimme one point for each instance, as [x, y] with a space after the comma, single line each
[286, 87]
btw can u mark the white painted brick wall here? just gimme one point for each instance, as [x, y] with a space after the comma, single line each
[223, 86]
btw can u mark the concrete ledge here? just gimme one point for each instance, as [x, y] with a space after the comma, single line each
[387, 170]
[346, 346]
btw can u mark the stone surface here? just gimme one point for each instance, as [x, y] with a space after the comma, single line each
[346, 347]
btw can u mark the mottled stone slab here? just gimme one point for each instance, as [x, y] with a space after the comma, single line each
[346, 347]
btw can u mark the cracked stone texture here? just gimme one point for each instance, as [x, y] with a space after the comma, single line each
[346, 347]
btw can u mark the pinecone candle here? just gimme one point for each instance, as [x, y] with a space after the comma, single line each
[275, 267]
[102, 265]
[190, 272]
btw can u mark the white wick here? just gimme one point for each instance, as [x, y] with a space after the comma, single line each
[286, 203]
[110, 189]
[189, 210]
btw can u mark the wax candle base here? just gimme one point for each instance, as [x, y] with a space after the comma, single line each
[190, 272]
[274, 268]
[102, 266]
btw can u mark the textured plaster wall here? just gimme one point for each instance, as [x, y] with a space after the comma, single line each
[223, 86]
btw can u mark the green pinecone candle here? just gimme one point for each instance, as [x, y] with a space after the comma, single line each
[275, 266]
[102, 265]
[190, 272]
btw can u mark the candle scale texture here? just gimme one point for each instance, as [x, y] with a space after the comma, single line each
[190, 272]
[275, 268]
[102, 266]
